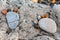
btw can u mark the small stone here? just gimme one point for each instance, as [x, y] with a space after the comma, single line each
[45, 15]
[53, 1]
[12, 19]
[48, 25]
[43, 38]
[15, 9]
[42, 16]
[4, 11]
[35, 1]
[56, 7]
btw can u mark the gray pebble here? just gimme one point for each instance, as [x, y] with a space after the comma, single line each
[12, 19]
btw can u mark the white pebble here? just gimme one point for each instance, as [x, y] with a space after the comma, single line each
[48, 25]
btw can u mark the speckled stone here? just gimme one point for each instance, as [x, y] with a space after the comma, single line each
[12, 19]
[48, 25]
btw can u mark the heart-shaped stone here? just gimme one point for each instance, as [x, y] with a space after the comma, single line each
[12, 19]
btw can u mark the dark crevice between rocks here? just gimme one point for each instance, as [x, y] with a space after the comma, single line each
[0, 18]
[35, 25]
[21, 39]
[51, 4]
[49, 14]
[44, 3]
[18, 7]
[50, 34]
[30, 39]
[20, 27]
[37, 35]
[57, 19]
[8, 31]
[8, 10]
[39, 1]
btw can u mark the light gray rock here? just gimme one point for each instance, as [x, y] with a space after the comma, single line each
[12, 19]
[48, 25]
[44, 37]
[56, 9]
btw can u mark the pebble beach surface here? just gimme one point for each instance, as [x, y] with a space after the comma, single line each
[27, 12]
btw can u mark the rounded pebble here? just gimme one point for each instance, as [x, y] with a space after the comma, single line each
[12, 19]
[48, 25]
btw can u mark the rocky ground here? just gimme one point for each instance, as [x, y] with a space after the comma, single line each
[28, 11]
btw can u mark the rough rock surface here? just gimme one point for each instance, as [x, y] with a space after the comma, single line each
[43, 38]
[27, 12]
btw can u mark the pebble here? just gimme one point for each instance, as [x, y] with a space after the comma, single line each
[35, 1]
[44, 37]
[56, 7]
[45, 16]
[48, 25]
[15, 9]
[53, 1]
[4, 11]
[12, 19]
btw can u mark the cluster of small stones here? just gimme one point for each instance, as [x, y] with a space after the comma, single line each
[28, 11]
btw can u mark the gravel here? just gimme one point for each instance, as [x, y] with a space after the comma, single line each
[28, 12]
